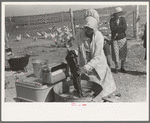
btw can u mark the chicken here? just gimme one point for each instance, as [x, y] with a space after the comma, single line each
[45, 35]
[39, 34]
[27, 35]
[77, 26]
[58, 31]
[104, 28]
[52, 35]
[35, 38]
[8, 51]
[50, 28]
[48, 35]
[18, 37]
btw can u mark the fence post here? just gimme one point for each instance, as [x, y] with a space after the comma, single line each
[134, 25]
[62, 16]
[137, 23]
[72, 23]
[10, 19]
[45, 16]
[28, 21]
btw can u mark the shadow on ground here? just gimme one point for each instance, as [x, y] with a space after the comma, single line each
[136, 73]
[31, 75]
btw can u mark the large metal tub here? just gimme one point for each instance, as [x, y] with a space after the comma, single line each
[34, 92]
[64, 91]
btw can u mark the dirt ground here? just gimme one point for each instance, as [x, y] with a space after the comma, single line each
[131, 85]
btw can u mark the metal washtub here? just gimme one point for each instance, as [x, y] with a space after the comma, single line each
[64, 91]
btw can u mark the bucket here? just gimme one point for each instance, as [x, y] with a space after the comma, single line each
[38, 65]
[54, 73]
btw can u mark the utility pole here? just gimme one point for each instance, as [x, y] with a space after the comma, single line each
[72, 23]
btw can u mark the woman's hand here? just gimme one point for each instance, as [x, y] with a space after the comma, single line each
[82, 70]
[107, 40]
[69, 49]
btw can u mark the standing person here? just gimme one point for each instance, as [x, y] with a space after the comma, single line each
[118, 27]
[144, 39]
[106, 48]
[88, 45]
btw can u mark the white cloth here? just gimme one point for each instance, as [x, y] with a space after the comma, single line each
[95, 62]
[98, 61]
[92, 13]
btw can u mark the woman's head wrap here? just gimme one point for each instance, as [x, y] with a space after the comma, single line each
[91, 19]
[92, 13]
[91, 23]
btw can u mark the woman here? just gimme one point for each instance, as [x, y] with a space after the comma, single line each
[107, 50]
[89, 47]
[119, 43]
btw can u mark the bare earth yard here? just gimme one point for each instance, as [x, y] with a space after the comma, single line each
[131, 85]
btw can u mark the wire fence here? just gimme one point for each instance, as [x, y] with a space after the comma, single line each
[43, 22]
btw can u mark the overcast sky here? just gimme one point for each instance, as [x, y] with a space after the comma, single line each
[32, 9]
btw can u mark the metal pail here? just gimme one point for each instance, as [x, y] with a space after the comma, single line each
[38, 65]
